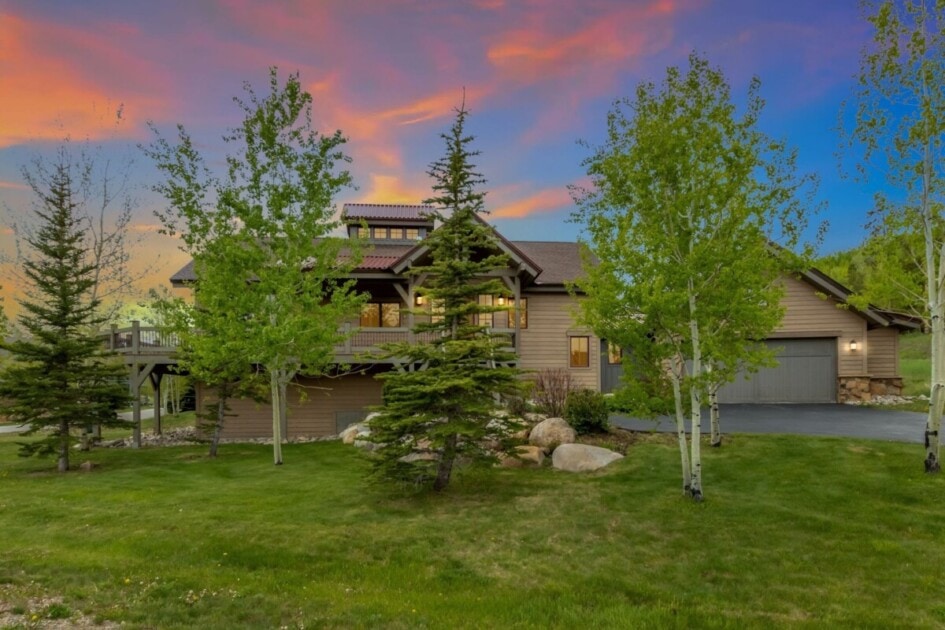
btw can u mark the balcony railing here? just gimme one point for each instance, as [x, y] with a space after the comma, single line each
[148, 340]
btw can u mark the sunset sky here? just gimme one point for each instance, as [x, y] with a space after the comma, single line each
[539, 76]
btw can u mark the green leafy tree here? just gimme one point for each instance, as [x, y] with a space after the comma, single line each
[447, 409]
[687, 199]
[900, 122]
[211, 351]
[269, 273]
[60, 381]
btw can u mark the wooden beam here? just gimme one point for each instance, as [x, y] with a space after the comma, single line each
[156, 384]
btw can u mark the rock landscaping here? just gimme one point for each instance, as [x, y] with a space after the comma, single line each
[582, 457]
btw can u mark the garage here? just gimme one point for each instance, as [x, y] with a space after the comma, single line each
[806, 373]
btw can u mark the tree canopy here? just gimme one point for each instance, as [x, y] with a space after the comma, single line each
[271, 279]
[693, 216]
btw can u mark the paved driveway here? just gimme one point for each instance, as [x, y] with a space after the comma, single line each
[836, 420]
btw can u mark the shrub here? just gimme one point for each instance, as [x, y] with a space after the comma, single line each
[587, 411]
[551, 391]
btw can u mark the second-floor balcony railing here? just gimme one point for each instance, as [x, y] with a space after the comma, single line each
[359, 342]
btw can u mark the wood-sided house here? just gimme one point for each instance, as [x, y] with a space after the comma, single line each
[829, 354]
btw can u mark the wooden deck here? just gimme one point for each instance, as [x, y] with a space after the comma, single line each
[138, 344]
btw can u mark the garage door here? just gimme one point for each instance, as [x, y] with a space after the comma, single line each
[806, 373]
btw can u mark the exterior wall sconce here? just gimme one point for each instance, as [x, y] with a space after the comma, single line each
[419, 300]
[853, 345]
[501, 300]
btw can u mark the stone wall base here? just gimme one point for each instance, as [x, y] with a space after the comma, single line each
[863, 388]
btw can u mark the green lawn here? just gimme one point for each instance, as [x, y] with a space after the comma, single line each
[914, 365]
[794, 532]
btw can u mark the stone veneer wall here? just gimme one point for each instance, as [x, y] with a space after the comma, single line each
[863, 388]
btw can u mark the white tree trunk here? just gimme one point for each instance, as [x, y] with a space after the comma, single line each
[714, 417]
[695, 400]
[935, 276]
[681, 427]
[276, 417]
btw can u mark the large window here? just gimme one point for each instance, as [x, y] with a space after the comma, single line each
[485, 319]
[380, 315]
[580, 352]
[522, 311]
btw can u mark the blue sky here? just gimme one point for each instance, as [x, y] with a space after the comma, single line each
[539, 76]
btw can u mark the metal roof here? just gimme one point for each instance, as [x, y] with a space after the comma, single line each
[385, 211]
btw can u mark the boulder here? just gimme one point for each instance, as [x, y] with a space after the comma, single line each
[354, 432]
[524, 456]
[550, 433]
[582, 457]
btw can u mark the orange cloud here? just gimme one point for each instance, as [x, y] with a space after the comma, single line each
[546, 200]
[58, 80]
[13, 186]
[391, 189]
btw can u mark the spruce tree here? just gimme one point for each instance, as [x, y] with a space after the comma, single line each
[446, 408]
[60, 381]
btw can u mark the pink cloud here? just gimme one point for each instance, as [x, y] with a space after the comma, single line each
[58, 78]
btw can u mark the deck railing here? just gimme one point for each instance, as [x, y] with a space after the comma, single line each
[144, 340]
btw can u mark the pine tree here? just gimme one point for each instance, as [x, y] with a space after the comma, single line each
[446, 409]
[61, 381]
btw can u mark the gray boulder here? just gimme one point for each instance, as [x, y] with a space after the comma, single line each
[582, 457]
[550, 433]
[354, 432]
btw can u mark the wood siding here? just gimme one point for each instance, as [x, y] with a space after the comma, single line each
[315, 416]
[544, 343]
[882, 351]
[808, 314]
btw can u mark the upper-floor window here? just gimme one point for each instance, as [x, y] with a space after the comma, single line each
[379, 233]
[412, 234]
[485, 319]
[380, 315]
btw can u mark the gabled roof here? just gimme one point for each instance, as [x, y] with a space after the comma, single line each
[387, 212]
[510, 250]
[876, 316]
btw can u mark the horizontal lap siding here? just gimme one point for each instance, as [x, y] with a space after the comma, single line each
[882, 347]
[544, 344]
[807, 314]
[314, 416]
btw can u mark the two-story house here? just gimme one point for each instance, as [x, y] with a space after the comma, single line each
[538, 320]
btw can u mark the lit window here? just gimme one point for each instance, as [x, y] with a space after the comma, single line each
[614, 354]
[485, 319]
[397, 233]
[522, 313]
[580, 352]
[437, 309]
[379, 233]
[412, 234]
[380, 315]
[371, 316]
[390, 315]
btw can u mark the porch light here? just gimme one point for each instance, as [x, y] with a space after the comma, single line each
[853, 345]
[501, 300]
[419, 300]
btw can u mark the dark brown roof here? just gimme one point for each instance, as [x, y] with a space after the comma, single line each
[386, 212]
[559, 262]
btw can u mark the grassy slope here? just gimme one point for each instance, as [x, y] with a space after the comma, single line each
[914, 363]
[795, 531]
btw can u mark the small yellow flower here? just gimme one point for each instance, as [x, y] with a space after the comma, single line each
[127, 580]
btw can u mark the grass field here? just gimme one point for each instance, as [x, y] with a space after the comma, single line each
[794, 532]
